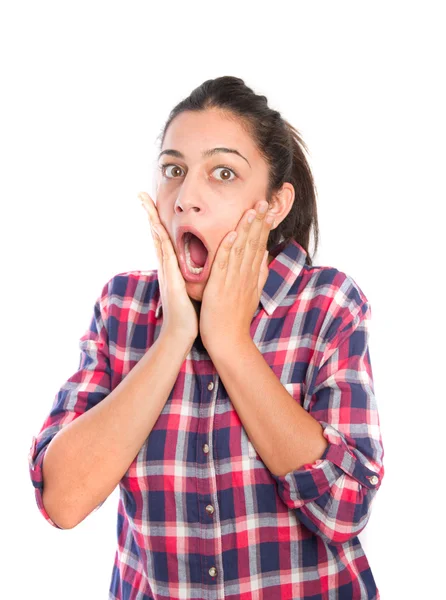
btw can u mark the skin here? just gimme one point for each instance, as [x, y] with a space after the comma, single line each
[194, 191]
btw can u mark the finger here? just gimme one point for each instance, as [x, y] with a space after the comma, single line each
[238, 248]
[247, 254]
[155, 228]
[149, 206]
[159, 253]
[171, 268]
[263, 273]
[222, 258]
[262, 255]
[153, 218]
[258, 237]
[166, 246]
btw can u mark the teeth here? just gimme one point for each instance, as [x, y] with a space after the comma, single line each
[191, 268]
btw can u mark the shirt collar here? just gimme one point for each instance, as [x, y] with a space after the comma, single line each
[284, 269]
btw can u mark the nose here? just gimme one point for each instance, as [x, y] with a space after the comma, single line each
[185, 207]
[188, 205]
[189, 199]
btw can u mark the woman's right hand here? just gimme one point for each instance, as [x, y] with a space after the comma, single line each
[179, 314]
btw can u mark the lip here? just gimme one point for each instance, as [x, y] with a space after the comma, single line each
[188, 276]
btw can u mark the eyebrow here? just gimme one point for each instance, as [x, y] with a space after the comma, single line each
[204, 154]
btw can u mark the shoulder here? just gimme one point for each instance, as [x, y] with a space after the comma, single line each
[130, 283]
[127, 288]
[337, 296]
[331, 281]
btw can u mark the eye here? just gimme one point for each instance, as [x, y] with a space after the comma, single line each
[176, 168]
[163, 169]
[226, 169]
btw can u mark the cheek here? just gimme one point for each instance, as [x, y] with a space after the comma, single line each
[214, 239]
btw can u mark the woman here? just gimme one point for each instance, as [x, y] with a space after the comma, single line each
[229, 393]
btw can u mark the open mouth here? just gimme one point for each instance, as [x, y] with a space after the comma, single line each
[195, 251]
[194, 255]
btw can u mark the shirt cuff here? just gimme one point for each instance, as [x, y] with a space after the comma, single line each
[312, 480]
[35, 460]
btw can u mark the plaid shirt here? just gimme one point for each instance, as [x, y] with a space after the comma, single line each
[199, 514]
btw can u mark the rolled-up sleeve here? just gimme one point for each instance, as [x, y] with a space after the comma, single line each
[333, 495]
[90, 384]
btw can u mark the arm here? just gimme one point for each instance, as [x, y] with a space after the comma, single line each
[330, 484]
[333, 495]
[284, 434]
[93, 434]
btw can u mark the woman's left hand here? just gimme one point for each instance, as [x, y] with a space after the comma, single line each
[238, 275]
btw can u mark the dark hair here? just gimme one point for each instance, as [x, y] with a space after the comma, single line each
[278, 142]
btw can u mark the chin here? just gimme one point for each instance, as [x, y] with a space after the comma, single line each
[195, 290]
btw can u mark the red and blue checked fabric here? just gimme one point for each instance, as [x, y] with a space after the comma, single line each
[200, 516]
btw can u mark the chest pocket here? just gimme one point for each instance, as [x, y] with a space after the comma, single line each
[297, 391]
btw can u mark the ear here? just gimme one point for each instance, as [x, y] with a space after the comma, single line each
[282, 202]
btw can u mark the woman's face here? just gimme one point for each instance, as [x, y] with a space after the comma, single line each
[209, 193]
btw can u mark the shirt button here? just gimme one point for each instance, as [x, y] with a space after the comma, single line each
[212, 571]
[373, 479]
[211, 385]
[205, 448]
[210, 509]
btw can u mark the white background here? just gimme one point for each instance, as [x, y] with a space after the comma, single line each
[86, 88]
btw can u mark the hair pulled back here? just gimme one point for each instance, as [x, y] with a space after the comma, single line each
[278, 142]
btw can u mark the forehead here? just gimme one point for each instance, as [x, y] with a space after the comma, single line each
[192, 132]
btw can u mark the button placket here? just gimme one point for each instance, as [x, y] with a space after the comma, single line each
[209, 508]
[205, 447]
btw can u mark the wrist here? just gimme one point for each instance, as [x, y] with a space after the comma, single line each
[177, 338]
[229, 344]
